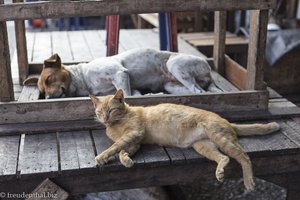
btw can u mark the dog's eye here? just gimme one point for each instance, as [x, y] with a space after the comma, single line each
[63, 90]
[48, 80]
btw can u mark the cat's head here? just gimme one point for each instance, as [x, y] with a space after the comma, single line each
[109, 109]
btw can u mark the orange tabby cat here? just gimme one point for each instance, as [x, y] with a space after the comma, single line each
[177, 126]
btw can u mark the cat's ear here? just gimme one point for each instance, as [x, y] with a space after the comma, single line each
[119, 96]
[95, 100]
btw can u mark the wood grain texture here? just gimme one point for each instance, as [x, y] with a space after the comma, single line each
[82, 108]
[57, 9]
[29, 93]
[21, 48]
[9, 147]
[42, 48]
[48, 127]
[61, 46]
[235, 73]
[51, 190]
[6, 84]
[219, 41]
[256, 49]
[76, 152]
[39, 155]
[222, 83]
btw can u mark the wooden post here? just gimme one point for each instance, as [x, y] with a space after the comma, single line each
[21, 48]
[219, 44]
[113, 29]
[6, 84]
[256, 49]
[172, 31]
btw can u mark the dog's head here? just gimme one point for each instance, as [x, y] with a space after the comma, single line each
[54, 80]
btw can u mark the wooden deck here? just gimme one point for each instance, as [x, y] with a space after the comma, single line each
[68, 156]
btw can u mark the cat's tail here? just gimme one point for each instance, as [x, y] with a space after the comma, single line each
[255, 129]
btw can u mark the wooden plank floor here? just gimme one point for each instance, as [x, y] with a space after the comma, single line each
[63, 156]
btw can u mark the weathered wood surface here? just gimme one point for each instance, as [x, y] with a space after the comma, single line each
[6, 84]
[39, 155]
[82, 108]
[57, 9]
[9, 147]
[48, 127]
[29, 93]
[154, 165]
[235, 73]
[21, 48]
[48, 190]
[76, 151]
[256, 49]
[219, 41]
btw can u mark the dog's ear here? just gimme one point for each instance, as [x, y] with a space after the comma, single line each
[119, 96]
[53, 62]
[32, 81]
[95, 100]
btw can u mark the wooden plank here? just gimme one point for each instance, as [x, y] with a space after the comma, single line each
[9, 149]
[61, 46]
[29, 93]
[256, 49]
[155, 155]
[82, 108]
[76, 152]
[21, 48]
[39, 155]
[176, 155]
[42, 47]
[6, 84]
[95, 44]
[79, 47]
[273, 94]
[97, 8]
[272, 144]
[235, 73]
[219, 42]
[293, 131]
[102, 142]
[48, 190]
[127, 41]
[222, 83]
[30, 42]
[48, 127]
[192, 156]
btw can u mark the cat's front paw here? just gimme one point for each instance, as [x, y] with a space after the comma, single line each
[101, 159]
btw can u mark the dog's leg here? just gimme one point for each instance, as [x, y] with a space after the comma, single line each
[184, 69]
[122, 81]
[176, 88]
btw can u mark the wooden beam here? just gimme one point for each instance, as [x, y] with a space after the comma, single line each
[82, 108]
[256, 49]
[21, 48]
[56, 9]
[6, 84]
[219, 41]
[112, 33]
[235, 73]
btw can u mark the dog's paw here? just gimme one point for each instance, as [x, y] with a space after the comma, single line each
[101, 159]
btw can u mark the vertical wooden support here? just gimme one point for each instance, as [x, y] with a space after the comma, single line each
[256, 49]
[172, 32]
[6, 84]
[113, 29]
[21, 48]
[219, 43]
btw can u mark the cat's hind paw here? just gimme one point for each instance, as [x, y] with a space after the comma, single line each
[220, 175]
[249, 183]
